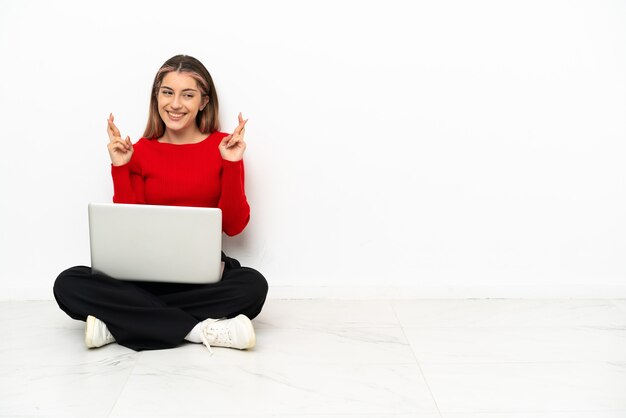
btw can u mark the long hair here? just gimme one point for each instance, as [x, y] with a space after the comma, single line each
[207, 118]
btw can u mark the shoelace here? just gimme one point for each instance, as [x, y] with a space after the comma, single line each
[219, 336]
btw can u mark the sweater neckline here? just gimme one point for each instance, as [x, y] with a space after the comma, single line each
[156, 141]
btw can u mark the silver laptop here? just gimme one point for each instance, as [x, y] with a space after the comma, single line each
[156, 243]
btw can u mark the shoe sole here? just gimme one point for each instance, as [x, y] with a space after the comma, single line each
[248, 324]
[90, 325]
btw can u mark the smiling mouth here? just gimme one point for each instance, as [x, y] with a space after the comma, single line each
[174, 115]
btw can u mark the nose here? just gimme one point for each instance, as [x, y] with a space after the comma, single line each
[176, 104]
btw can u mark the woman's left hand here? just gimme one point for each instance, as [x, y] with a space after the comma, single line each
[233, 145]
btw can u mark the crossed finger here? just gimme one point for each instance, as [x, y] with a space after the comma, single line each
[112, 129]
[120, 144]
[240, 129]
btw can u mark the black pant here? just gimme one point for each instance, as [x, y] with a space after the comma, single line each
[149, 315]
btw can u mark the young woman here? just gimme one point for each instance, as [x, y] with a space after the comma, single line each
[182, 160]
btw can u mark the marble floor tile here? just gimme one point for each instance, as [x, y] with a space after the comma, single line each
[620, 303]
[527, 387]
[302, 346]
[204, 414]
[77, 389]
[38, 333]
[334, 358]
[327, 314]
[503, 345]
[548, 313]
[569, 414]
[276, 388]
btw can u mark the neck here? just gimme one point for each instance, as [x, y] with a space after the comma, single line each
[189, 136]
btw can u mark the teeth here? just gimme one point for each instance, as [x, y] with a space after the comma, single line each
[176, 115]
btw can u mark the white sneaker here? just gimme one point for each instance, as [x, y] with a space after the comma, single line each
[96, 333]
[232, 333]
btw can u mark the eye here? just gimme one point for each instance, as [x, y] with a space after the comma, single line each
[166, 92]
[189, 95]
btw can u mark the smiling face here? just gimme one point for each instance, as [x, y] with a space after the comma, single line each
[179, 100]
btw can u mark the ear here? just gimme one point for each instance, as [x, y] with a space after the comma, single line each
[205, 101]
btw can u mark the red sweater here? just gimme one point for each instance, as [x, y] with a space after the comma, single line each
[184, 175]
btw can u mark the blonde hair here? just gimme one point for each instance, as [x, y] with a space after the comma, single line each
[207, 118]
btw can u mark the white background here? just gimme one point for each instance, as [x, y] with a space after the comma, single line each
[433, 148]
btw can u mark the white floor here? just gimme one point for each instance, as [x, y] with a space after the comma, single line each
[334, 358]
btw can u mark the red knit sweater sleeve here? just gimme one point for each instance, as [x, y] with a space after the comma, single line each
[233, 201]
[127, 184]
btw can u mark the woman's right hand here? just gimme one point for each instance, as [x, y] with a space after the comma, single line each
[120, 150]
